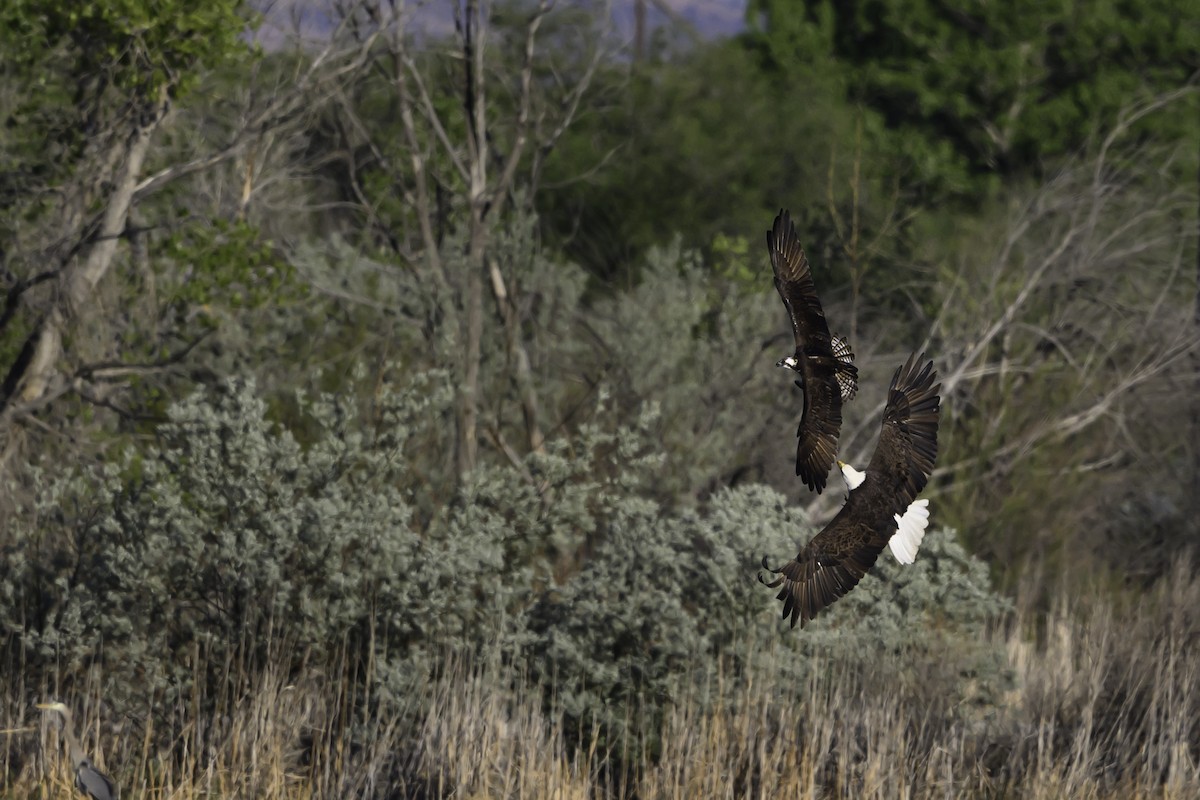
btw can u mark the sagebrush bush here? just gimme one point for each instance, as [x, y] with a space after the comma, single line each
[225, 534]
[692, 341]
[668, 599]
[928, 622]
[226, 541]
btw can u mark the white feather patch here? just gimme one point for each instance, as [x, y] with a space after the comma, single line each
[910, 530]
[853, 477]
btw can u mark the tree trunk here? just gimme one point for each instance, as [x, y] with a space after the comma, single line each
[518, 358]
[468, 394]
[477, 151]
[1195, 493]
[29, 379]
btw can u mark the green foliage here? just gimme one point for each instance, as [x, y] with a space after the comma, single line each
[659, 602]
[227, 262]
[551, 519]
[137, 46]
[736, 261]
[708, 146]
[239, 541]
[700, 146]
[243, 544]
[665, 600]
[692, 341]
[971, 89]
[80, 75]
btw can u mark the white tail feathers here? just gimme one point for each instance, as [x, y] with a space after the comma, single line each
[910, 530]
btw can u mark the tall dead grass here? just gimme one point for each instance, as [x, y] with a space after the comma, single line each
[1105, 704]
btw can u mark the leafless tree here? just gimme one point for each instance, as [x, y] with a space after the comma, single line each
[464, 166]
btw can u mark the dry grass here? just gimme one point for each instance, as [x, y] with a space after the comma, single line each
[1106, 704]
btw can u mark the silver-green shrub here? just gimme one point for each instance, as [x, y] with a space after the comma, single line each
[667, 598]
[924, 624]
[226, 535]
[692, 341]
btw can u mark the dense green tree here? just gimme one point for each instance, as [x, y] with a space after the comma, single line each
[697, 146]
[710, 143]
[980, 89]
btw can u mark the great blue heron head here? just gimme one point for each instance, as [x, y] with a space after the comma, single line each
[64, 713]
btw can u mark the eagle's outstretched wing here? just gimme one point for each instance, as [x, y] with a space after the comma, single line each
[840, 555]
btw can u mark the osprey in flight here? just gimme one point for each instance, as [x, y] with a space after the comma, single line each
[824, 362]
[840, 555]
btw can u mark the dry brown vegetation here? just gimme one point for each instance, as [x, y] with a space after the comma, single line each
[1104, 702]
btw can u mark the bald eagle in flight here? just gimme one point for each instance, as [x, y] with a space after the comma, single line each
[837, 558]
[824, 363]
[910, 527]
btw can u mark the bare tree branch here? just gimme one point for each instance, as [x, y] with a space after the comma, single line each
[281, 109]
[521, 130]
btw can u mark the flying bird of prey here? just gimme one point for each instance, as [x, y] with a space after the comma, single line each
[837, 558]
[910, 526]
[824, 363]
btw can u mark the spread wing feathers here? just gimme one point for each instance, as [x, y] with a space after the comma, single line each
[910, 531]
[793, 281]
[847, 373]
[840, 555]
[824, 370]
[817, 434]
[907, 447]
[828, 567]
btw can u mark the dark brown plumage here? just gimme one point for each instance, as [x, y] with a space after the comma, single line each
[840, 555]
[824, 362]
